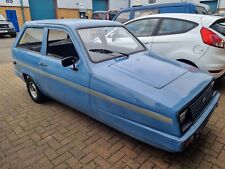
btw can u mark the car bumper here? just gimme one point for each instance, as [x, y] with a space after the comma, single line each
[178, 144]
[7, 31]
[213, 62]
[158, 138]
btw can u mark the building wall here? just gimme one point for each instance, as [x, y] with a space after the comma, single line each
[14, 3]
[118, 4]
[138, 2]
[221, 5]
[18, 12]
[63, 13]
[66, 8]
[74, 4]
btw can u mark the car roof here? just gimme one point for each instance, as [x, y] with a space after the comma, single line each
[74, 23]
[156, 5]
[100, 12]
[206, 20]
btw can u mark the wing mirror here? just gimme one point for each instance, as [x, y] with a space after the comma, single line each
[68, 61]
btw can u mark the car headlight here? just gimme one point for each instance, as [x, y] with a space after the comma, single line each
[212, 84]
[185, 120]
[11, 25]
[182, 117]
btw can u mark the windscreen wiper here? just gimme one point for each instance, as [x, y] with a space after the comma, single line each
[106, 51]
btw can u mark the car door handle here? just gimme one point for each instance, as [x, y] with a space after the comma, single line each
[43, 64]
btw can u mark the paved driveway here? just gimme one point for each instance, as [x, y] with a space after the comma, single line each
[54, 136]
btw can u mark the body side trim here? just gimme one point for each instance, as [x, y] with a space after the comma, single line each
[121, 103]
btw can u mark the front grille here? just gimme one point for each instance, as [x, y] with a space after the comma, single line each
[4, 26]
[201, 102]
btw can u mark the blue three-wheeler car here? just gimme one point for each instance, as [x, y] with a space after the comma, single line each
[102, 70]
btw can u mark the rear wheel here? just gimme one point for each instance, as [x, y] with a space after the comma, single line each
[34, 92]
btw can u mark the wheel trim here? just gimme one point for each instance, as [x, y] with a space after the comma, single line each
[33, 90]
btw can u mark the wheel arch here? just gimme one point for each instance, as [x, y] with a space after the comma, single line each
[187, 62]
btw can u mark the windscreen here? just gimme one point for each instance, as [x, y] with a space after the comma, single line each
[105, 43]
[2, 18]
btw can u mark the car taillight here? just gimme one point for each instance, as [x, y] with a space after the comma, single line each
[211, 38]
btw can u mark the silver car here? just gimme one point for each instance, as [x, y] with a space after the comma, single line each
[6, 27]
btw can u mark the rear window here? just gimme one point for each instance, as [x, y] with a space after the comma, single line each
[145, 12]
[123, 17]
[175, 26]
[219, 26]
[32, 39]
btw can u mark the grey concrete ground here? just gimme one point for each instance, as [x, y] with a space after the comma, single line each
[5, 49]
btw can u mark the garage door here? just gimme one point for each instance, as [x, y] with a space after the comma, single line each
[99, 5]
[42, 9]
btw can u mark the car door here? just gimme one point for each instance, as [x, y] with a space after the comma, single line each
[175, 38]
[28, 52]
[64, 83]
[144, 29]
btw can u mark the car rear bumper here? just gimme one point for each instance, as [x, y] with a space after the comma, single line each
[213, 62]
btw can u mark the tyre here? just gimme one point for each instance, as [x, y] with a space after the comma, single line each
[34, 92]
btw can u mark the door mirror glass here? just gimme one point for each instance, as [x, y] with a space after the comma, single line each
[68, 61]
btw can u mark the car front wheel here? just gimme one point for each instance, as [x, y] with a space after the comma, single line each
[34, 92]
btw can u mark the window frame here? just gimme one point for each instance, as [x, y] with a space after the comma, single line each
[155, 29]
[181, 32]
[46, 41]
[42, 41]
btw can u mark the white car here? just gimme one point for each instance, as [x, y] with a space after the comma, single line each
[197, 40]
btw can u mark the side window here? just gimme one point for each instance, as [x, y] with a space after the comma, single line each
[145, 12]
[175, 26]
[144, 27]
[123, 17]
[59, 44]
[201, 10]
[32, 39]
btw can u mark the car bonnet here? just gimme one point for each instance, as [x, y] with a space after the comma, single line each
[153, 71]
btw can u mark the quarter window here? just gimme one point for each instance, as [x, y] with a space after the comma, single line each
[32, 39]
[123, 17]
[144, 27]
[59, 44]
[175, 26]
